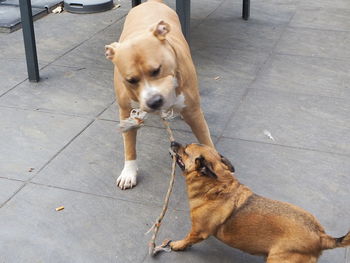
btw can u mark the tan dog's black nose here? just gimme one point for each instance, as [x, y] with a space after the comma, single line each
[155, 102]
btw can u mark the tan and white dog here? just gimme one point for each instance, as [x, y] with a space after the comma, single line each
[153, 67]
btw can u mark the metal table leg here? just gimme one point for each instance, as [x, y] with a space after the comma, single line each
[135, 2]
[246, 9]
[29, 40]
[183, 9]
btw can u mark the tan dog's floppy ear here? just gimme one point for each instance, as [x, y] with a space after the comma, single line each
[203, 167]
[110, 50]
[226, 162]
[161, 29]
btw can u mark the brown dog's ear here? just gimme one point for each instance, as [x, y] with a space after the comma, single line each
[161, 29]
[226, 162]
[203, 167]
[110, 50]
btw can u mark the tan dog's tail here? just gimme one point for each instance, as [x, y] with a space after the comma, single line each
[328, 242]
[159, 1]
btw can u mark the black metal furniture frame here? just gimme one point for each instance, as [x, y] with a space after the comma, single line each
[183, 9]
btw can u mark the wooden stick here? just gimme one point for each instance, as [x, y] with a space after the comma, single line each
[153, 250]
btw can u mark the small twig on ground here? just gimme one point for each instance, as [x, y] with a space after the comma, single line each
[153, 249]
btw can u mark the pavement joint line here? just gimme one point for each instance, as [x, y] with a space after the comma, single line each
[62, 149]
[15, 86]
[319, 29]
[48, 112]
[108, 105]
[288, 146]
[299, 93]
[86, 66]
[8, 200]
[317, 57]
[248, 50]
[148, 203]
[12, 179]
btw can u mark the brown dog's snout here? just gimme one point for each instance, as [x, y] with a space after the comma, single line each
[175, 146]
[155, 102]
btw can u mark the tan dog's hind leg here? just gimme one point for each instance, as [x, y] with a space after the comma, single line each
[195, 119]
[192, 238]
[127, 178]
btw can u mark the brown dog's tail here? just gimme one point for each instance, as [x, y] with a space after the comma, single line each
[328, 242]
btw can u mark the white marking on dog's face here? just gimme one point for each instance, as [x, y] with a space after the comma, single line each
[166, 88]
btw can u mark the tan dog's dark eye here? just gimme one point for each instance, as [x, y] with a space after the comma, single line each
[132, 80]
[155, 73]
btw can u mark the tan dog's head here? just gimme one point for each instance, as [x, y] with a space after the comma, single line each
[201, 159]
[147, 66]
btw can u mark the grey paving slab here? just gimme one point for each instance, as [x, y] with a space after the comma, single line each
[199, 9]
[78, 91]
[236, 34]
[95, 159]
[92, 52]
[66, 31]
[10, 17]
[36, 3]
[233, 64]
[314, 76]
[313, 42]
[8, 188]
[315, 181]
[336, 18]
[319, 123]
[324, 4]
[29, 139]
[268, 12]
[12, 72]
[89, 229]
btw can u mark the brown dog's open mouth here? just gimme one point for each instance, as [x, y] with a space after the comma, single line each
[179, 161]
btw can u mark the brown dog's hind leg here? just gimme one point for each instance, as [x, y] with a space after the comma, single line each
[192, 238]
[291, 258]
[195, 119]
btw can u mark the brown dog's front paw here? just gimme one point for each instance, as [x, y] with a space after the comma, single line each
[178, 245]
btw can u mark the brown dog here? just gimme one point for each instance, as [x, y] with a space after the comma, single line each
[222, 207]
[154, 68]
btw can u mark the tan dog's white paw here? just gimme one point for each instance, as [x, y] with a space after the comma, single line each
[127, 178]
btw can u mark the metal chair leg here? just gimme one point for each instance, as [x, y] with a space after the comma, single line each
[29, 40]
[246, 9]
[183, 9]
[135, 2]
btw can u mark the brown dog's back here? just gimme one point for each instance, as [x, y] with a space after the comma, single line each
[254, 228]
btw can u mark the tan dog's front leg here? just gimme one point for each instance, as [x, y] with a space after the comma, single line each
[127, 178]
[195, 119]
[192, 238]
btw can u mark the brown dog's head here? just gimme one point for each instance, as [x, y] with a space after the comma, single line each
[201, 159]
[147, 66]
